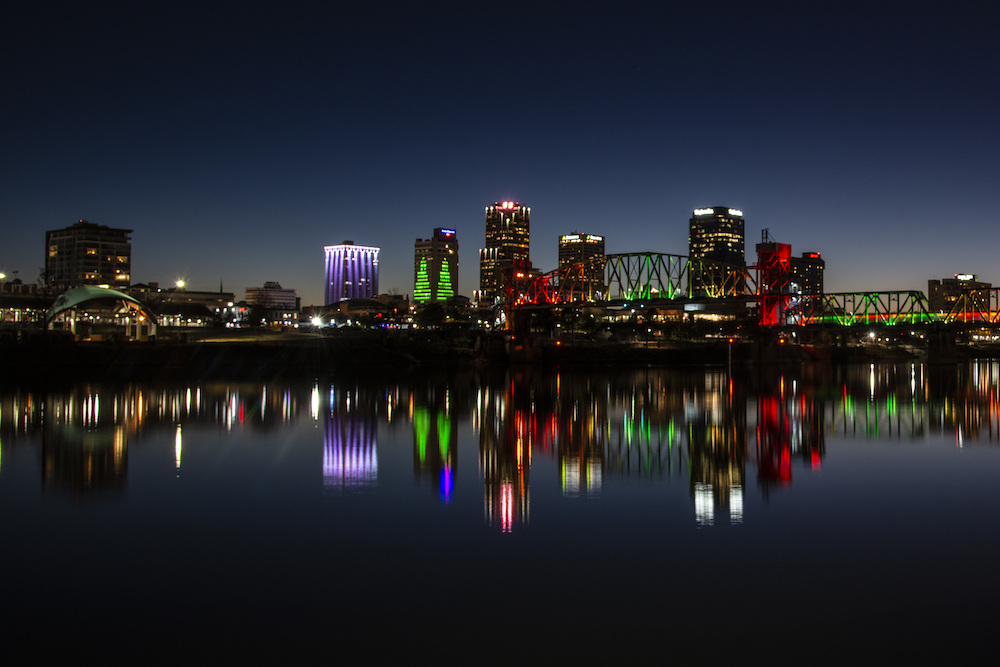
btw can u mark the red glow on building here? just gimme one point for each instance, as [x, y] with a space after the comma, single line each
[774, 266]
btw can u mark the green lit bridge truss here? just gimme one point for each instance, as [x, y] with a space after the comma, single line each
[976, 306]
[853, 308]
[649, 276]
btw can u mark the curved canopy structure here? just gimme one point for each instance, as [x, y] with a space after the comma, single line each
[78, 295]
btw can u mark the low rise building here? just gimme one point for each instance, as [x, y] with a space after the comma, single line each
[275, 305]
[944, 295]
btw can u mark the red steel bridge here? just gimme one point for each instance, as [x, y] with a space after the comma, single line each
[658, 280]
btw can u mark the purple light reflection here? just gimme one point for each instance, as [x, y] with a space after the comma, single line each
[350, 458]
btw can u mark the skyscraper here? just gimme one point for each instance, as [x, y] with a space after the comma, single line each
[588, 250]
[351, 272]
[435, 267]
[88, 254]
[507, 231]
[716, 236]
[807, 273]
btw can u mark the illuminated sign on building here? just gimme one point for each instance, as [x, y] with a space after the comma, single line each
[736, 211]
[704, 211]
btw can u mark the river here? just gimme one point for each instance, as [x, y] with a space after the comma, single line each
[811, 511]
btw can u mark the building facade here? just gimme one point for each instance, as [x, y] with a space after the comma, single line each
[88, 254]
[943, 296]
[807, 273]
[715, 236]
[351, 272]
[586, 250]
[277, 305]
[271, 296]
[435, 267]
[507, 239]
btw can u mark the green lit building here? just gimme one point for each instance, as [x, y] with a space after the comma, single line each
[435, 267]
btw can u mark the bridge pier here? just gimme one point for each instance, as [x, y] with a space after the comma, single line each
[941, 347]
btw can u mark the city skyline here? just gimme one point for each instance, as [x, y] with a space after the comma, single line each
[237, 147]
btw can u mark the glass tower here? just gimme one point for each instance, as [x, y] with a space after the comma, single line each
[507, 231]
[716, 237]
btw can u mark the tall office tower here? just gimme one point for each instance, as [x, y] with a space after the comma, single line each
[807, 273]
[351, 272]
[88, 254]
[506, 244]
[435, 267]
[588, 250]
[715, 235]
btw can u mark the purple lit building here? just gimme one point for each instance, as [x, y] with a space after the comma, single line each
[351, 272]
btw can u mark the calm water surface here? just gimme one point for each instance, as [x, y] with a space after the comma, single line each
[637, 515]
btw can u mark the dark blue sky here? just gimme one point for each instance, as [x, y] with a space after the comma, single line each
[237, 143]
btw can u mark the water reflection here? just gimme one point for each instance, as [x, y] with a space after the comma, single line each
[350, 457]
[435, 443]
[702, 429]
[509, 426]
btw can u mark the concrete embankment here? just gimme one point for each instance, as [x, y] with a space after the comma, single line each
[264, 357]
[237, 360]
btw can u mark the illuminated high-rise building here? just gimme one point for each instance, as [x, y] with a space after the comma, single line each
[507, 231]
[351, 272]
[88, 254]
[435, 267]
[716, 236]
[807, 273]
[587, 250]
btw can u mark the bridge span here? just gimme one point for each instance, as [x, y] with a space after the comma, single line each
[677, 282]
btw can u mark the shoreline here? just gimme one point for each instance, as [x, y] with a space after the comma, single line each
[276, 356]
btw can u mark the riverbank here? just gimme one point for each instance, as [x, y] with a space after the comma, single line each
[268, 355]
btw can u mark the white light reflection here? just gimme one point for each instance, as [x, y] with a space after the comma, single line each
[704, 509]
[736, 504]
[595, 478]
[570, 477]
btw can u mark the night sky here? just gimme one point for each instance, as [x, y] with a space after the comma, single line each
[237, 142]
